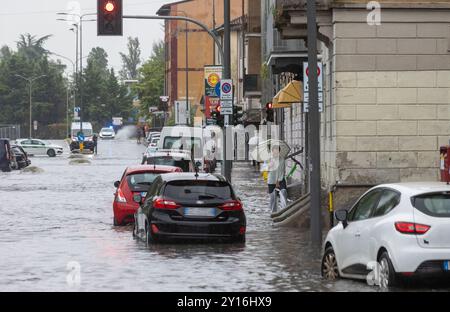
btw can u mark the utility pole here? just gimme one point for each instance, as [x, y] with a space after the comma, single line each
[314, 137]
[226, 164]
[30, 83]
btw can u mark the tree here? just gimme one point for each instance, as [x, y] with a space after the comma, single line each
[49, 94]
[31, 47]
[131, 61]
[151, 80]
[103, 96]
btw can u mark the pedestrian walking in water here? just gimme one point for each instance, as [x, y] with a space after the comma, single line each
[95, 140]
[276, 180]
[139, 135]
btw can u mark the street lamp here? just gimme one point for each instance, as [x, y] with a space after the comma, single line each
[30, 82]
[74, 95]
[81, 20]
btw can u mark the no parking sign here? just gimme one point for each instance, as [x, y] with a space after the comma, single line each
[226, 90]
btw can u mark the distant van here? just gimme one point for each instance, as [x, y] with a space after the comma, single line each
[88, 133]
[5, 155]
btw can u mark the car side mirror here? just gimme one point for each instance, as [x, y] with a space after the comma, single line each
[198, 164]
[137, 199]
[117, 184]
[342, 216]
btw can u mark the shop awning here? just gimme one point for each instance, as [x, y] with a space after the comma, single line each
[292, 93]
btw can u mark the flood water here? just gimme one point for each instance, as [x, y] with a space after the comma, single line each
[62, 217]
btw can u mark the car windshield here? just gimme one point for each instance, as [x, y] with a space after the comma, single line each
[435, 204]
[184, 143]
[194, 191]
[141, 182]
[170, 161]
[107, 130]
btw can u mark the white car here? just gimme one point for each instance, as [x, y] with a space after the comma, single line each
[398, 229]
[37, 147]
[107, 133]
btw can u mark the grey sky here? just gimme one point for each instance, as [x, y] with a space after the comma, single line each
[38, 17]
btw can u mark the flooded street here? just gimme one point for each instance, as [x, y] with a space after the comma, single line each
[64, 215]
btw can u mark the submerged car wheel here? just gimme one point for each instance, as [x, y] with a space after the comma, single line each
[388, 276]
[330, 269]
[149, 235]
[115, 222]
[51, 153]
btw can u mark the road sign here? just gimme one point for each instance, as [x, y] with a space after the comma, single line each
[226, 111]
[164, 98]
[226, 104]
[306, 86]
[80, 136]
[226, 89]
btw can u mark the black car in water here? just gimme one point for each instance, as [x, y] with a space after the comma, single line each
[5, 155]
[190, 206]
[20, 158]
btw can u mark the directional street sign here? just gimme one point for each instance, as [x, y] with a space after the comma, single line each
[80, 136]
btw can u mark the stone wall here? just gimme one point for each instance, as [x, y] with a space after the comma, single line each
[390, 96]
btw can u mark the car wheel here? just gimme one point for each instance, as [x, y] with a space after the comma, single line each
[330, 270]
[115, 222]
[135, 231]
[388, 276]
[51, 153]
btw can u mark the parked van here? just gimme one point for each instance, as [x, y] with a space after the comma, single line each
[5, 155]
[183, 138]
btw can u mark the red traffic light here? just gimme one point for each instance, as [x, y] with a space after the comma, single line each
[110, 6]
[269, 105]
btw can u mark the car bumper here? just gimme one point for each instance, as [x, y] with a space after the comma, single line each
[415, 259]
[124, 213]
[201, 230]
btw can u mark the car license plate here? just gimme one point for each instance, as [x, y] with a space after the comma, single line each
[200, 212]
[447, 265]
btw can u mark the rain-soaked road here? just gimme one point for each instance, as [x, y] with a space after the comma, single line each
[64, 214]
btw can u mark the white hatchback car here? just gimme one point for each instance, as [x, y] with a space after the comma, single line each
[402, 229]
[39, 147]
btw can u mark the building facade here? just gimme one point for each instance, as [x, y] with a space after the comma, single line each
[387, 87]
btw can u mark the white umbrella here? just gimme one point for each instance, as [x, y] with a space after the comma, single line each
[263, 152]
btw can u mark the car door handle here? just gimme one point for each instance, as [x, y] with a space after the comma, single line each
[358, 234]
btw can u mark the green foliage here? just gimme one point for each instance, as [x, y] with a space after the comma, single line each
[49, 94]
[151, 80]
[103, 96]
[131, 61]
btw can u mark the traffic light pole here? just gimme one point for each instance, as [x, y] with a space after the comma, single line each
[226, 163]
[314, 137]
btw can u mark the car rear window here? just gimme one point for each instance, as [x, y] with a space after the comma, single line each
[435, 204]
[141, 182]
[169, 161]
[193, 191]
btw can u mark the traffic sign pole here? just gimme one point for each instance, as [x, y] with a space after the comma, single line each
[226, 164]
[314, 138]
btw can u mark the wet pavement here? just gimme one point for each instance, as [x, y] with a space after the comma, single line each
[55, 220]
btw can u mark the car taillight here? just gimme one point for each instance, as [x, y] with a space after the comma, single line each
[162, 203]
[120, 198]
[234, 205]
[411, 228]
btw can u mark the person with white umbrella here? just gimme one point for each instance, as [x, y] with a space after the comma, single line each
[276, 178]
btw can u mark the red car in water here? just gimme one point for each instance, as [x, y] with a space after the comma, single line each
[135, 181]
